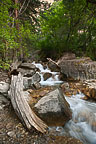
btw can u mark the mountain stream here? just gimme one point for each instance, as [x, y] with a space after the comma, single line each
[83, 123]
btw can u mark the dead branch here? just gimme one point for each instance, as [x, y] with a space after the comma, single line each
[50, 60]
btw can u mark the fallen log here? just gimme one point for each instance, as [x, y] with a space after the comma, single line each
[21, 106]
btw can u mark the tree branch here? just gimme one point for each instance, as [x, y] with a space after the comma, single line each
[22, 6]
[25, 8]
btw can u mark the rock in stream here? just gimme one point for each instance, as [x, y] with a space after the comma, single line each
[53, 108]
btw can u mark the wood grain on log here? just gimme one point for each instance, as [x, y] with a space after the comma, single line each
[21, 106]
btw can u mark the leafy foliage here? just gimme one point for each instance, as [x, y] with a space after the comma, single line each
[69, 26]
[65, 26]
[18, 24]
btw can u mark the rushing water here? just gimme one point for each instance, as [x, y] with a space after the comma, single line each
[83, 123]
[50, 81]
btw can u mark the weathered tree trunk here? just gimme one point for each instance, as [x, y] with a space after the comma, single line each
[22, 108]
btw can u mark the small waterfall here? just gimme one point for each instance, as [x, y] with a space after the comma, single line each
[83, 123]
[54, 80]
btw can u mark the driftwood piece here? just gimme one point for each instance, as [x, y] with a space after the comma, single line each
[50, 60]
[21, 106]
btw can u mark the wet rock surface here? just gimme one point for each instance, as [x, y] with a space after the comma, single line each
[53, 108]
[30, 77]
[29, 82]
[46, 76]
[87, 87]
[53, 67]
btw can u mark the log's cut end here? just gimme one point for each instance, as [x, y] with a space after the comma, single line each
[21, 106]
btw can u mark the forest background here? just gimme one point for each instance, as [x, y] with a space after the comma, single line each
[30, 25]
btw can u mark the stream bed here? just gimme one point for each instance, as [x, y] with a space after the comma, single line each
[83, 123]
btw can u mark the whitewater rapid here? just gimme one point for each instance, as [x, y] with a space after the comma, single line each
[83, 123]
[50, 81]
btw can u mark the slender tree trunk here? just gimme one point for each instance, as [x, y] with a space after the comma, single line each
[16, 15]
[20, 49]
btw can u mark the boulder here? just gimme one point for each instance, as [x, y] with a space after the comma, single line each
[27, 66]
[37, 86]
[36, 78]
[3, 101]
[47, 75]
[31, 81]
[53, 67]
[4, 87]
[53, 108]
[27, 72]
[66, 56]
[78, 69]
[62, 77]
[11, 134]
